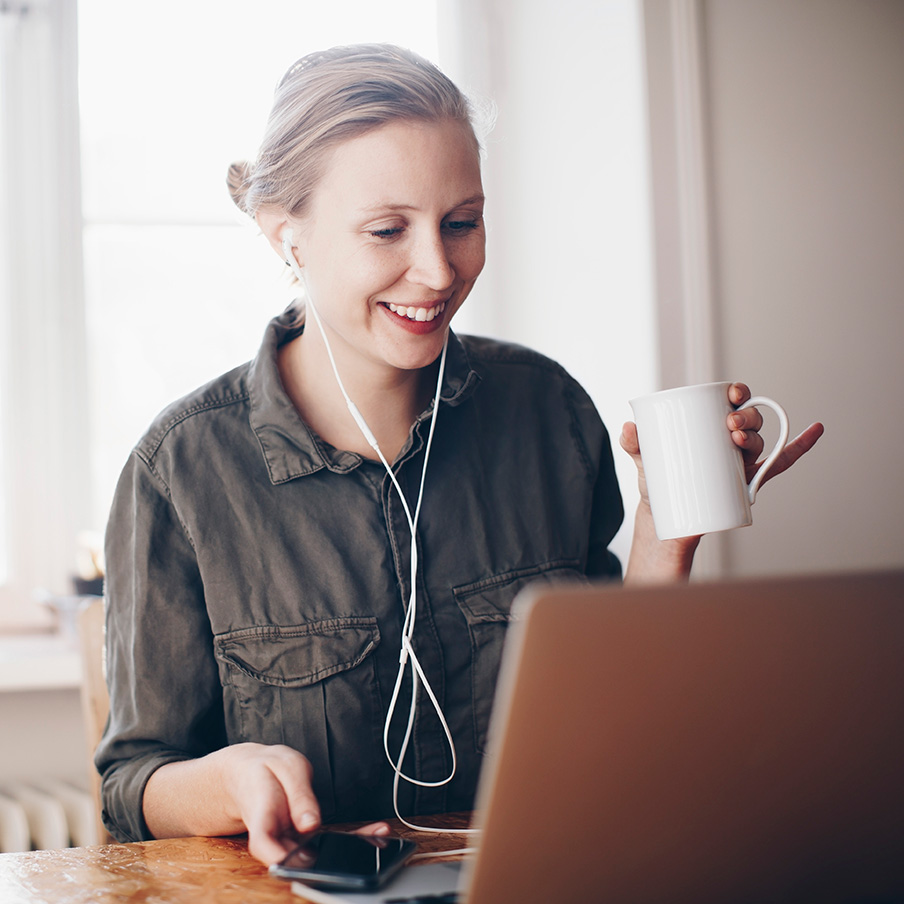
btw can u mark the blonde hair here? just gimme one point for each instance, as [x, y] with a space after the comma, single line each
[328, 97]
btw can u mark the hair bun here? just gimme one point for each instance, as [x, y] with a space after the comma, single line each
[238, 182]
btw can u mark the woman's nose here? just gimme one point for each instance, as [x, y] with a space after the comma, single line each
[430, 265]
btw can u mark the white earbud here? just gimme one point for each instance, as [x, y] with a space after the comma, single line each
[287, 238]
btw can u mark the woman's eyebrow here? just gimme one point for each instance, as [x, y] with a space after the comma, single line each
[388, 205]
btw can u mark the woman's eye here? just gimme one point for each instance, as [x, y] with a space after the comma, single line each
[460, 226]
[387, 233]
[451, 227]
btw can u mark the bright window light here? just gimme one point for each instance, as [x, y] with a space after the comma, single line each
[179, 286]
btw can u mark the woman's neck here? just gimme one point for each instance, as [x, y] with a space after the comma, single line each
[388, 398]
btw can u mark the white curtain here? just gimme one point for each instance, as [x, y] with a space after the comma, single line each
[42, 367]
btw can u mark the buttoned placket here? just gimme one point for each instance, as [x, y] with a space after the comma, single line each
[429, 757]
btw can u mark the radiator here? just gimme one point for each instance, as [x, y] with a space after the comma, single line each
[45, 814]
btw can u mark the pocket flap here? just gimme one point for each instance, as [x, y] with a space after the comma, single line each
[491, 600]
[299, 655]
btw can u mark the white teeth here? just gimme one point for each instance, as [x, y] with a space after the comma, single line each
[419, 314]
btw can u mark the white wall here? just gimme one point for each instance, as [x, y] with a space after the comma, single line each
[566, 176]
[43, 735]
[804, 113]
[810, 193]
[800, 242]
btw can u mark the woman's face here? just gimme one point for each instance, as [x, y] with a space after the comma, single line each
[393, 241]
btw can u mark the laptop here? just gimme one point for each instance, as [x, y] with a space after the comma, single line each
[707, 742]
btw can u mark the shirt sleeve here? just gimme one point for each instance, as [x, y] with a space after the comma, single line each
[607, 508]
[165, 696]
[607, 514]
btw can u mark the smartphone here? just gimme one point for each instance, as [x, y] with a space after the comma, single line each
[341, 860]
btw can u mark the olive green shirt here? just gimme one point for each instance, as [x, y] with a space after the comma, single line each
[257, 577]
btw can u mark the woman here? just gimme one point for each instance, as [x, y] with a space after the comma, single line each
[262, 569]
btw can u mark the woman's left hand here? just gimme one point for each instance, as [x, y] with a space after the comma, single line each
[745, 426]
[654, 559]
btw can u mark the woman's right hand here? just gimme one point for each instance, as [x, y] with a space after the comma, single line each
[262, 789]
[274, 797]
[270, 787]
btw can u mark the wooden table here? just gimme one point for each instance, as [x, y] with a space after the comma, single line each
[172, 871]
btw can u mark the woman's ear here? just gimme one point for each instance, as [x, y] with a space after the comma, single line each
[275, 226]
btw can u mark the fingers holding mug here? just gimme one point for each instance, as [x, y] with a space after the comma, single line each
[738, 394]
[745, 425]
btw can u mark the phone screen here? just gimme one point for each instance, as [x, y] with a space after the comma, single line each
[340, 860]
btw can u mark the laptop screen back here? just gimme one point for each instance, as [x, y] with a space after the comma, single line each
[705, 742]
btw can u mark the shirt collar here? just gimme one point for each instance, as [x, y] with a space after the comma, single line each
[289, 447]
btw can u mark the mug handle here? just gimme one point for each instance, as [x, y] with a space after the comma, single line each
[784, 430]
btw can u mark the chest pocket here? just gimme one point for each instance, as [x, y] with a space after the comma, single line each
[486, 606]
[313, 687]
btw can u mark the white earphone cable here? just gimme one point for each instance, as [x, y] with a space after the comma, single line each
[407, 656]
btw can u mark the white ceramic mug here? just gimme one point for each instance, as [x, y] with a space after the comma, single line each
[694, 471]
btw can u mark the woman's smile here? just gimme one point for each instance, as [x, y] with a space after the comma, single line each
[417, 319]
[420, 314]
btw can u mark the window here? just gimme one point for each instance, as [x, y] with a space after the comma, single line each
[128, 276]
[179, 286]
